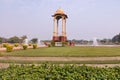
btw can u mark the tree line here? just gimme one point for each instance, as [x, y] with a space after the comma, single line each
[16, 39]
[116, 39]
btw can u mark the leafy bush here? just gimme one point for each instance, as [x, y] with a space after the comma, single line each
[5, 44]
[49, 45]
[30, 44]
[9, 48]
[53, 43]
[34, 46]
[25, 46]
[64, 43]
[57, 72]
[16, 44]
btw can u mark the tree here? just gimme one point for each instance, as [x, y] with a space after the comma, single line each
[34, 40]
[14, 39]
[23, 38]
[116, 39]
[3, 40]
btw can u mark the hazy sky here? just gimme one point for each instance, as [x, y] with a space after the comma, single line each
[86, 18]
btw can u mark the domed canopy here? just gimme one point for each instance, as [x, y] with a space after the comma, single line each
[60, 11]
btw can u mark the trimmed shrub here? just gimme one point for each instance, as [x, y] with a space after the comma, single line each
[5, 44]
[29, 44]
[16, 44]
[25, 46]
[34, 46]
[64, 43]
[9, 48]
[49, 45]
[53, 43]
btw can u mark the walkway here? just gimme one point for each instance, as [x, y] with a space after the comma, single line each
[60, 58]
[4, 65]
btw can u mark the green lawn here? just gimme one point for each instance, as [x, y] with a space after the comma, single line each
[66, 52]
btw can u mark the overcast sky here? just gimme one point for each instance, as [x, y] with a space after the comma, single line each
[86, 18]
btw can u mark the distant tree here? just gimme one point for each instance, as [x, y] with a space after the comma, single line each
[34, 40]
[116, 39]
[105, 41]
[14, 39]
[3, 40]
[23, 38]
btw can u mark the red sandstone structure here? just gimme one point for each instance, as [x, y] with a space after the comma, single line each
[59, 14]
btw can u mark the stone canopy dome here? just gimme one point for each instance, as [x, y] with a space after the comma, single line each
[60, 11]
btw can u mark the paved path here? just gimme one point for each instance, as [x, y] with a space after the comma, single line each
[5, 65]
[60, 58]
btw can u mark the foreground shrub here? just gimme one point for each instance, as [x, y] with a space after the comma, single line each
[34, 46]
[9, 48]
[16, 44]
[25, 46]
[57, 72]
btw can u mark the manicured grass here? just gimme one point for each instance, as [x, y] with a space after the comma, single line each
[67, 52]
